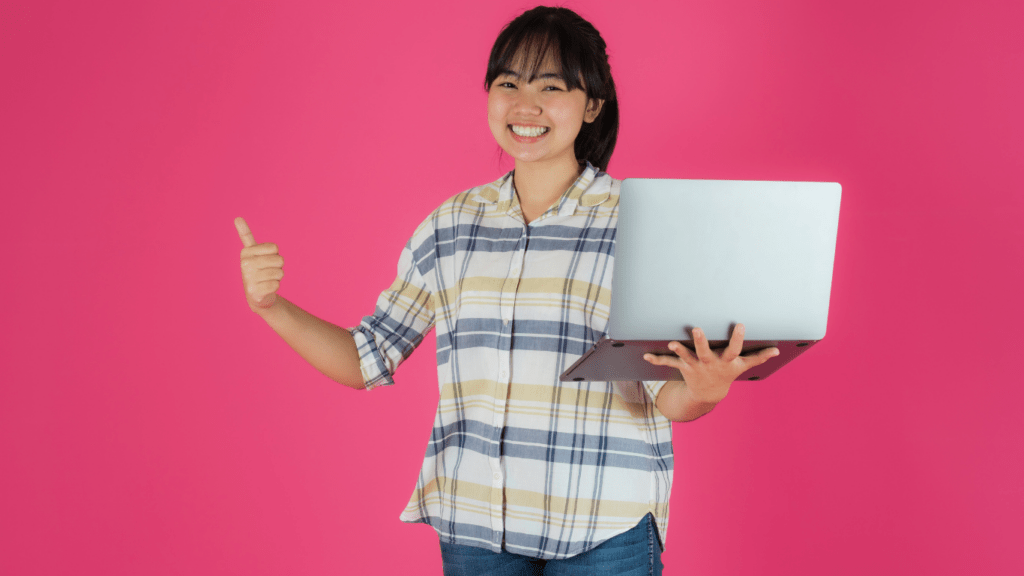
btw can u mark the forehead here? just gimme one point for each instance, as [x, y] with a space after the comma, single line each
[524, 65]
[532, 56]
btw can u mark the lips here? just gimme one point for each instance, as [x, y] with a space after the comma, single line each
[528, 131]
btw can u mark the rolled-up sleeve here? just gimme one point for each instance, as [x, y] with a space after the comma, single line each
[403, 316]
[653, 387]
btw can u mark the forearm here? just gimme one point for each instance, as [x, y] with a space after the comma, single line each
[328, 347]
[677, 404]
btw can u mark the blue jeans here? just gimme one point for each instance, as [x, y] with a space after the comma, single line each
[632, 553]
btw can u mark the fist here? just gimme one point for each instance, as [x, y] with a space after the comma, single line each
[262, 269]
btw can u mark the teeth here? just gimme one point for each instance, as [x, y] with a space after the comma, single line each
[528, 131]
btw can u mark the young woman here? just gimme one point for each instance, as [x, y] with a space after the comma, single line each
[523, 473]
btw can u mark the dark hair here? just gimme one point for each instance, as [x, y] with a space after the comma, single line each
[581, 54]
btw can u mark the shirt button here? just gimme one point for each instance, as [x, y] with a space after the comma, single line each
[497, 477]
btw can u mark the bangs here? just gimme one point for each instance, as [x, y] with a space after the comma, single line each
[525, 51]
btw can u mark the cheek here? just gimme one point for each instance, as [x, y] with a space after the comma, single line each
[495, 114]
[570, 111]
[571, 120]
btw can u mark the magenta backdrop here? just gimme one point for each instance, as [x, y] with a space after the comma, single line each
[151, 424]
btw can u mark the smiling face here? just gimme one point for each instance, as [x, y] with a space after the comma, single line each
[536, 119]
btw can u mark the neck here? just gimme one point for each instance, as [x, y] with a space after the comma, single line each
[541, 185]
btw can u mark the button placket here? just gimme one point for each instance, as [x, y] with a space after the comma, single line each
[497, 500]
[507, 304]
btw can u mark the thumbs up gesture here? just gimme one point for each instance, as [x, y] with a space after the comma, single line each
[262, 269]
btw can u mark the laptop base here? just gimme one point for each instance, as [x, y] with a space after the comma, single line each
[618, 360]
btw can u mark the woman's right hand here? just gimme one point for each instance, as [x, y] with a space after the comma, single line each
[262, 270]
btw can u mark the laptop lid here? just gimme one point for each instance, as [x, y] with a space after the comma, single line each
[713, 253]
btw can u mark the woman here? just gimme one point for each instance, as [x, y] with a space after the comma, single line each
[523, 473]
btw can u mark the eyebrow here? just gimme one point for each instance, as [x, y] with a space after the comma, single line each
[545, 76]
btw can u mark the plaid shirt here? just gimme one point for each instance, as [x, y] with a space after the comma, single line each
[516, 458]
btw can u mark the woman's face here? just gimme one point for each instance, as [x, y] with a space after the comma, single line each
[537, 119]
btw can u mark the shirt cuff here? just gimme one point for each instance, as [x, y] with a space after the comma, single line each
[371, 363]
[654, 388]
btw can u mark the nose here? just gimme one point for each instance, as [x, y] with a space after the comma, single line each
[527, 104]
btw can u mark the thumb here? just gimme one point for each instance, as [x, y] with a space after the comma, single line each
[244, 233]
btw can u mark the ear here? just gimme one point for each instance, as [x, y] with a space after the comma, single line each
[593, 109]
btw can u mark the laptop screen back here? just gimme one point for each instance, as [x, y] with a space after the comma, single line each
[712, 253]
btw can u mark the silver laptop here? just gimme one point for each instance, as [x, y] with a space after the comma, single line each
[711, 254]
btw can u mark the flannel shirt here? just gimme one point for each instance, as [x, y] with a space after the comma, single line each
[517, 459]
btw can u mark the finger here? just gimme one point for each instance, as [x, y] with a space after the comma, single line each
[682, 351]
[735, 344]
[664, 360]
[261, 262]
[259, 250]
[268, 274]
[759, 358]
[700, 342]
[244, 233]
[263, 292]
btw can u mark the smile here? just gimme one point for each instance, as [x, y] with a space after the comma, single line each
[528, 131]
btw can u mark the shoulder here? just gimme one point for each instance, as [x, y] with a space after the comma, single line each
[598, 192]
[603, 184]
[474, 203]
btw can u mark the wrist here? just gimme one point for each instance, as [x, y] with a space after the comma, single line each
[270, 309]
[694, 407]
[705, 396]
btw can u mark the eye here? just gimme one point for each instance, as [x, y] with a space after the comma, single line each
[553, 88]
[506, 85]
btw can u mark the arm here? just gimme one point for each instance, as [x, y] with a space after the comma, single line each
[677, 403]
[329, 348]
[707, 375]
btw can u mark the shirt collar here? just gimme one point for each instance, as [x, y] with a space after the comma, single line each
[587, 191]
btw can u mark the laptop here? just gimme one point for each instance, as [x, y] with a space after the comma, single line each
[712, 254]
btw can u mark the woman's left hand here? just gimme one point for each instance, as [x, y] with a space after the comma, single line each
[707, 373]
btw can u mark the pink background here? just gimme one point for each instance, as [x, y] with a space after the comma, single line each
[151, 424]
